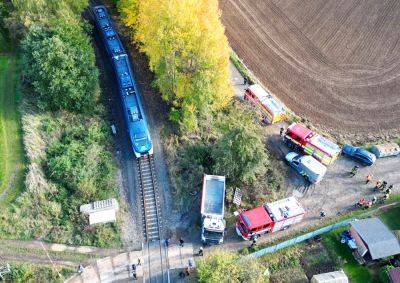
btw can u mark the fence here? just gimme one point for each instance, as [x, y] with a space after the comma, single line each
[299, 239]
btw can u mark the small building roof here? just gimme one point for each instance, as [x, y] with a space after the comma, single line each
[380, 240]
[256, 217]
[394, 275]
[101, 211]
[330, 277]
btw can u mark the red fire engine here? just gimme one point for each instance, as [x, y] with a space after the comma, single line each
[300, 137]
[269, 218]
[271, 109]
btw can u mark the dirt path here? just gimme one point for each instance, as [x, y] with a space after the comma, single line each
[59, 247]
[336, 63]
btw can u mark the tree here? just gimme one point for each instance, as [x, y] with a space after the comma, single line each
[26, 13]
[59, 63]
[240, 154]
[187, 51]
[222, 266]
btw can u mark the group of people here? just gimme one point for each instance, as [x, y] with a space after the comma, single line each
[168, 241]
[380, 186]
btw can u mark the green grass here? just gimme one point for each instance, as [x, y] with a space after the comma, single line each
[241, 67]
[355, 272]
[11, 148]
[391, 218]
[4, 44]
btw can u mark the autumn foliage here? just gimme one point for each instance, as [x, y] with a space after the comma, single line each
[188, 52]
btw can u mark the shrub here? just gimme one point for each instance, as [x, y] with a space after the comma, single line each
[222, 266]
[59, 63]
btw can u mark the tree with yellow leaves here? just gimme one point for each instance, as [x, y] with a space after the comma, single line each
[188, 52]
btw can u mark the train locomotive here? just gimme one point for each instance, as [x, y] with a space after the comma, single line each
[134, 115]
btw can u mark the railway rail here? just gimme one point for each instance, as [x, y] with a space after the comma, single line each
[155, 252]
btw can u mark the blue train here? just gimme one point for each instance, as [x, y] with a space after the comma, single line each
[134, 116]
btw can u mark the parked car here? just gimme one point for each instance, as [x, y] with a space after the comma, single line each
[307, 166]
[361, 155]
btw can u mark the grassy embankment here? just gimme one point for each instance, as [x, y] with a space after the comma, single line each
[11, 149]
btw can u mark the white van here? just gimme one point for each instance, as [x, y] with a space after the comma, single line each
[307, 166]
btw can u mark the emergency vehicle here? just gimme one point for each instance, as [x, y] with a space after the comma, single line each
[271, 109]
[212, 209]
[269, 218]
[302, 138]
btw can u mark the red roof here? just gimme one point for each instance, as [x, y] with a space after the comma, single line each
[256, 217]
[394, 275]
[299, 130]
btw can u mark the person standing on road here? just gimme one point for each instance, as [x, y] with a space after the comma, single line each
[281, 131]
[254, 242]
[201, 251]
[353, 171]
[181, 242]
[378, 185]
[384, 184]
[369, 178]
[134, 271]
[139, 263]
[245, 80]
[167, 242]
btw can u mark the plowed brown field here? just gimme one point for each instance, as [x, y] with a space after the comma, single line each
[334, 62]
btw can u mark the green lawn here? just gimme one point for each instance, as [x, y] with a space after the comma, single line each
[11, 149]
[355, 272]
[391, 218]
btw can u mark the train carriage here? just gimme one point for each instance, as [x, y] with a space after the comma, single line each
[133, 111]
[134, 115]
[108, 32]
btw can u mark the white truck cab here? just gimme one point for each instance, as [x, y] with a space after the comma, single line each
[312, 170]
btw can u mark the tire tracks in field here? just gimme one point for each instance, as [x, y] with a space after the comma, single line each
[310, 60]
[351, 104]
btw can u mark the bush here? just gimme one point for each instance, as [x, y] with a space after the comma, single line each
[222, 266]
[79, 162]
[59, 63]
[22, 272]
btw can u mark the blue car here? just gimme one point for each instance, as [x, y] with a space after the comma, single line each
[363, 156]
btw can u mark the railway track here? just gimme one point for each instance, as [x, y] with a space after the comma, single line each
[156, 254]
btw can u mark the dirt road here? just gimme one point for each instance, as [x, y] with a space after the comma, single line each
[337, 63]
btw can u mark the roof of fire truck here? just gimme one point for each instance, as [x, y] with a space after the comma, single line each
[285, 208]
[256, 217]
[299, 130]
[267, 99]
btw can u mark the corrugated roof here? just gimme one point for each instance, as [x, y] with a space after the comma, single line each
[380, 240]
[331, 277]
